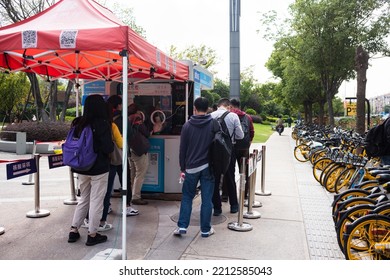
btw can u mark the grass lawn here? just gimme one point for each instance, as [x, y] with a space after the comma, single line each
[262, 132]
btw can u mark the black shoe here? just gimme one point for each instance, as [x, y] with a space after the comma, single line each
[99, 238]
[73, 237]
[225, 198]
[217, 212]
[234, 209]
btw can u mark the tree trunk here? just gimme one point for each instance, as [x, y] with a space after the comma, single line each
[308, 111]
[321, 112]
[37, 97]
[20, 118]
[66, 100]
[53, 101]
[329, 99]
[361, 66]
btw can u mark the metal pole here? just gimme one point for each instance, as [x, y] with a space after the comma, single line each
[263, 161]
[240, 225]
[72, 200]
[250, 214]
[235, 13]
[253, 176]
[37, 213]
[30, 181]
[124, 156]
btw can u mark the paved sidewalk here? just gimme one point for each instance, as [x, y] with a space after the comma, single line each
[295, 221]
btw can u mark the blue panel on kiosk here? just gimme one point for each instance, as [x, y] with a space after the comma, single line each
[154, 178]
[197, 90]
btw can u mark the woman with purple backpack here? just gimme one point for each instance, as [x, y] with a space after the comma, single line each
[93, 182]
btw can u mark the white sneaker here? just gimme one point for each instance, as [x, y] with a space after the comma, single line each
[105, 227]
[180, 231]
[207, 234]
[86, 223]
[130, 211]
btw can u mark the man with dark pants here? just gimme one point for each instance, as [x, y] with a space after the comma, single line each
[116, 105]
[235, 131]
[241, 148]
[195, 139]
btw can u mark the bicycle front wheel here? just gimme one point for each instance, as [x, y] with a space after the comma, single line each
[343, 180]
[362, 236]
[301, 152]
[319, 166]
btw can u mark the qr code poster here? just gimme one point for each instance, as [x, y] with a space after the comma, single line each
[68, 39]
[29, 39]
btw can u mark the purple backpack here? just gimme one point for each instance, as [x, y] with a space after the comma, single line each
[78, 153]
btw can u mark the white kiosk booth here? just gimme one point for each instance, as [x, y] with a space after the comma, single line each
[172, 103]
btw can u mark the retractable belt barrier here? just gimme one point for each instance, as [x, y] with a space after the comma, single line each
[34, 150]
[22, 167]
[250, 164]
[240, 225]
[263, 192]
[37, 212]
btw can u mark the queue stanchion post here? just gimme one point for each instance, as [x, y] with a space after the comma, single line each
[30, 176]
[263, 192]
[251, 214]
[240, 225]
[73, 199]
[37, 213]
[252, 180]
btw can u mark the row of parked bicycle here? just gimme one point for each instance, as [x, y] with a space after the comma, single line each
[361, 206]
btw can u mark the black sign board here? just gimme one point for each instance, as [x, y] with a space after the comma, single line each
[21, 168]
[55, 161]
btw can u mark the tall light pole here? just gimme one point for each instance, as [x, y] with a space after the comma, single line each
[235, 12]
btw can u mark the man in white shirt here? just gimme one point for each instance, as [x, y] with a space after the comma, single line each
[233, 125]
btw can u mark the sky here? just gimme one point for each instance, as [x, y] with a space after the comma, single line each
[183, 23]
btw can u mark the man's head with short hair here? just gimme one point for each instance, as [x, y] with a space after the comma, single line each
[225, 102]
[201, 104]
[235, 103]
[115, 101]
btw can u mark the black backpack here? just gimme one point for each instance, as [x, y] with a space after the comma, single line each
[221, 147]
[375, 141]
[245, 142]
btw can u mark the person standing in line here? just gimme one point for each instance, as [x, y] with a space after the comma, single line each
[93, 183]
[241, 148]
[195, 140]
[235, 131]
[139, 159]
[115, 102]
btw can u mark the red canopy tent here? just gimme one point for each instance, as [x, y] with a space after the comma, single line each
[80, 39]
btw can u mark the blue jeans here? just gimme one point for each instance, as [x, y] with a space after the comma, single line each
[189, 190]
[115, 169]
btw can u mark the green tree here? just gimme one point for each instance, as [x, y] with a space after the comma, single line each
[13, 89]
[298, 86]
[332, 31]
[15, 11]
[324, 36]
[202, 54]
[221, 88]
[126, 16]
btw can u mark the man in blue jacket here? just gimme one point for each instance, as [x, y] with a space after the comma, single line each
[196, 137]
